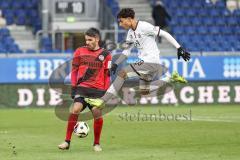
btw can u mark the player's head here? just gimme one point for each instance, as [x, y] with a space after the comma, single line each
[92, 38]
[125, 17]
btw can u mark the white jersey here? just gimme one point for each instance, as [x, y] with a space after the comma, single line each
[144, 39]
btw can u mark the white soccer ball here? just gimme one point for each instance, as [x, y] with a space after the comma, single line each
[81, 129]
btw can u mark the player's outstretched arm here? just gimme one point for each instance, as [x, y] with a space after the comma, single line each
[181, 51]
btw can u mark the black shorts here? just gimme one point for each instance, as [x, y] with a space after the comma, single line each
[89, 92]
[84, 103]
[83, 92]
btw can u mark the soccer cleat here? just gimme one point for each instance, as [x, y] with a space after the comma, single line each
[175, 77]
[97, 148]
[95, 102]
[64, 146]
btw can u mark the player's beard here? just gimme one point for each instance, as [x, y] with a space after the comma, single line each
[91, 46]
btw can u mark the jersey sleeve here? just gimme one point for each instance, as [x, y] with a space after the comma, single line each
[150, 29]
[169, 38]
[107, 66]
[75, 66]
[108, 62]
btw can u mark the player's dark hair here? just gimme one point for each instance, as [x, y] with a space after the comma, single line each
[93, 32]
[126, 13]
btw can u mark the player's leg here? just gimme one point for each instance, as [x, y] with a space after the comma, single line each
[151, 72]
[97, 127]
[78, 106]
[166, 82]
[144, 87]
[112, 90]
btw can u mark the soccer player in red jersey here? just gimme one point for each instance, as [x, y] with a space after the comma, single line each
[89, 77]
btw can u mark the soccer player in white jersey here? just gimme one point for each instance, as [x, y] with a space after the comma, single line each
[141, 35]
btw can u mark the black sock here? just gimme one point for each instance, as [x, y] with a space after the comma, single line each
[68, 142]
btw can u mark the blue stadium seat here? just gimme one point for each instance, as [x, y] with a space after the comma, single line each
[32, 13]
[184, 38]
[185, 21]
[196, 38]
[226, 30]
[18, 4]
[2, 48]
[208, 21]
[31, 4]
[174, 22]
[14, 49]
[202, 30]
[236, 12]
[232, 21]
[46, 42]
[225, 46]
[209, 38]
[20, 20]
[196, 4]
[8, 40]
[190, 30]
[20, 12]
[237, 30]
[203, 12]
[191, 47]
[220, 4]
[214, 46]
[5, 4]
[236, 45]
[174, 4]
[220, 21]
[214, 30]
[191, 12]
[178, 30]
[4, 32]
[226, 12]
[196, 21]
[185, 4]
[214, 12]
[201, 45]
[179, 13]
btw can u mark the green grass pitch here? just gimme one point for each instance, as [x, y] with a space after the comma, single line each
[208, 132]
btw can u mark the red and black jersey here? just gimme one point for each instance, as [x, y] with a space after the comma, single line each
[91, 69]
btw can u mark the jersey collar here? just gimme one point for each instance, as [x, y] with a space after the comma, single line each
[135, 27]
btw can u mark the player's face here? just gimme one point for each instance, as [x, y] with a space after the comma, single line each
[125, 22]
[91, 42]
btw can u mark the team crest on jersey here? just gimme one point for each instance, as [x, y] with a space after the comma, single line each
[101, 57]
[139, 35]
[131, 36]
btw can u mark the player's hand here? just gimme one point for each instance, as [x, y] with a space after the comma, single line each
[73, 92]
[114, 68]
[184, 54]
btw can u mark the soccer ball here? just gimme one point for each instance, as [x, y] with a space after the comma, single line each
[81, 129]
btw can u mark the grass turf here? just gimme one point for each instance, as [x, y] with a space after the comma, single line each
[210, 132]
